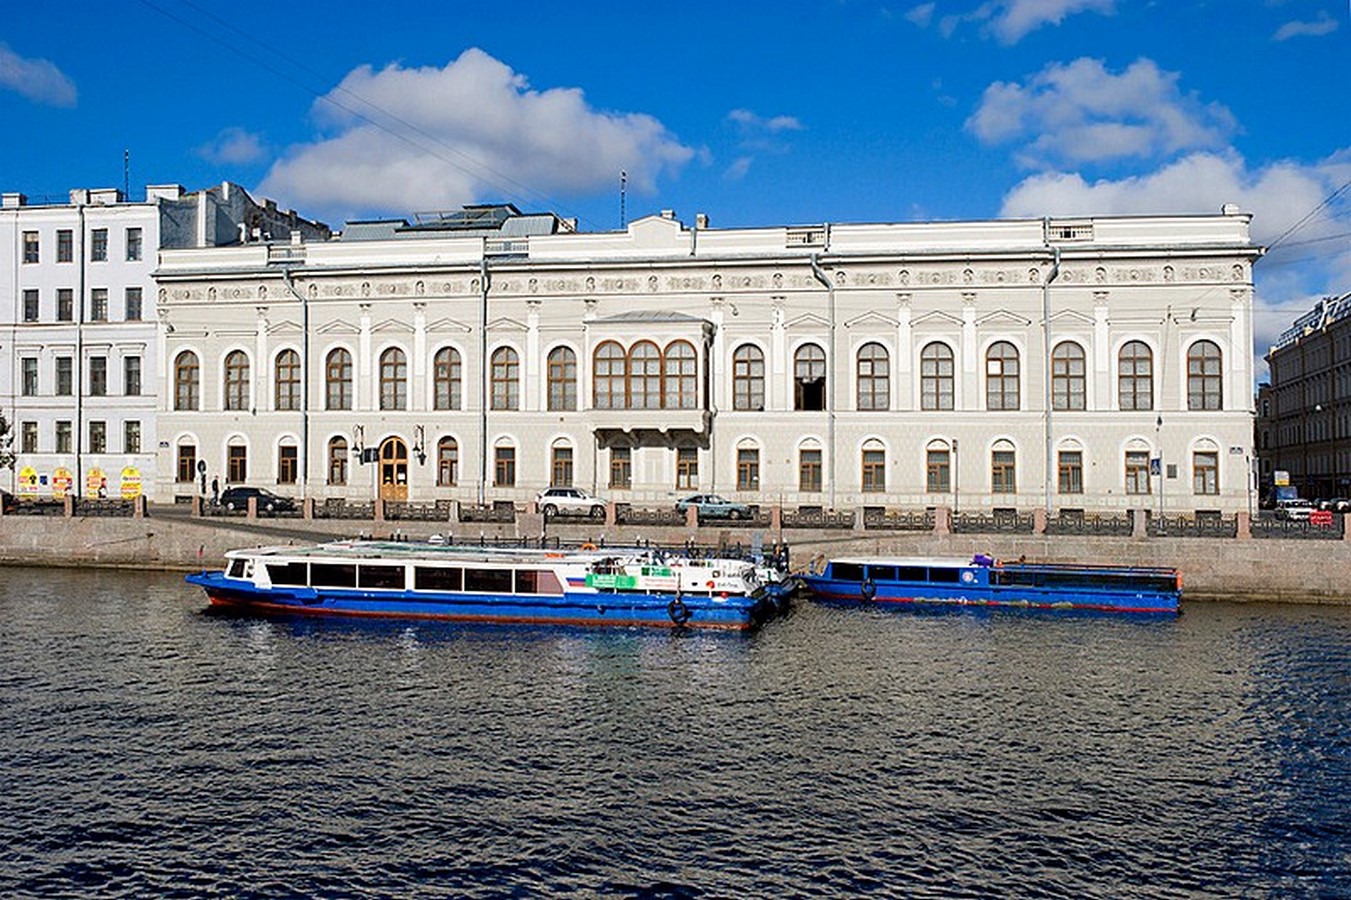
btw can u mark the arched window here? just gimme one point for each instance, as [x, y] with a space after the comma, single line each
[1137, 466]
[1206, 468]
[187, 381]
[1068, 381]
[681, 381]
[935, 376]
[393, 379]
[447, 462]
[938, 468]
[560, 465]
[337, 460]
[1135, 376]
[506, 379]
[747, 466]
[237, 381]
[286, 380]
[611, 372]
[874, 378]
[1070, 467]
[809, 378]
[644, 376]
[1003, 468]
[809, 468]
[1204, 380]
[873, 468]
[1001, 376]
[446, 379]
[748, 378]
[338, 380]
[562, 378]
[288, 461]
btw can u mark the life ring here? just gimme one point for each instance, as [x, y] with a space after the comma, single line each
[710, 585]
[678, 611]
[868, 589]
[588, 546]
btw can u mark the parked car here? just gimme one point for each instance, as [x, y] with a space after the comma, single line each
[712, 506]
[7, 501]
[237, 497]
[1335, 504]
[1296, 510]
[569, 501]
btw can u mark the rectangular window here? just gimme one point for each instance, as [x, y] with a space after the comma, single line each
[1205, 472]
[65, 381]
[187, 463]
[939, 466]
[748, 469]
[98, 305]
[98, 245]
[64, 436]
[1137, 471]
[1003, 472]
[98, 376]
[288, 464]
[65, 245]
[337, 462]
[30, 246]
[133, 307]
[65, 305]
[1071, 468]
[30, 376]
[809, 471]
[874, 471]
[131, 436]
[30, 305]
[133, 244]
[687, 468]
[621, 467]
[504, 467]
[237, 464]
[560, 469]
[131, 376]
[29, 439]
[98, 437]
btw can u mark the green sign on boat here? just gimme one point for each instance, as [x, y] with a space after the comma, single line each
[611, 582]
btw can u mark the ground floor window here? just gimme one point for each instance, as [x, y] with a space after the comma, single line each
[187, 462]
[687, 468]
[621, 468]
[1071, 467]
[1137, 471]
[1205, 472]
[938, 477]
[560, 467]
[288, 459]
[237, 464]
[337, 461]
[504, 467]
[1003, 472]
[447, 462]
[748, 469]
[874, 471]
[809, 471]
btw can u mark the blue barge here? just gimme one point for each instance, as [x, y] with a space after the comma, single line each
[429, 581]
[989, 583]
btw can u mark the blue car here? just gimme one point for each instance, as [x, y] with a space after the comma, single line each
[712, 506]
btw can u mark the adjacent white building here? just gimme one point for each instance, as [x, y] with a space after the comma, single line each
[1093, 363]
[79, 331]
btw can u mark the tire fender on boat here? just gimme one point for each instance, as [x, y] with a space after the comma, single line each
[868, 589]
[678, 611]
[588, 546]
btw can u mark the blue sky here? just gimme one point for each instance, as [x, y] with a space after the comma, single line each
[754, 113]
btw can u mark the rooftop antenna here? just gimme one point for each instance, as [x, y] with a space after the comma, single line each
[126, 174]
[623, 189]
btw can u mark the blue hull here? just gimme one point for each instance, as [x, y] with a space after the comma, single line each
[571, 608]
[979, 595]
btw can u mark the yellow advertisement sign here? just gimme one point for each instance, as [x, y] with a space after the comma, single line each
[131, 483]
[62, 481]
[28, 482]
[95, 484]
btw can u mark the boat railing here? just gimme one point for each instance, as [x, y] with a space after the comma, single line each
[994, 523]
[816, 517]
[1091, 524]
[879, 518]
[1213, 525]
[1267, 525]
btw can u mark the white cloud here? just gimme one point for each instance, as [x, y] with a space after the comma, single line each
[1080, 112]
[752, 126]
[921, 15]
[233, 146]
[412, 139]
[738, 169]
[37, 79]
[1324, 24]
[1009, 21]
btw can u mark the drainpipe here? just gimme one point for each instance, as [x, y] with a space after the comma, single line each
[485, 281]
[820, 276]
[1046, 348]
[304, 382]
[78, 486]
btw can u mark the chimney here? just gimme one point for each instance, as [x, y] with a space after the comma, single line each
[105, 196]
[701, 221]
[155, 192]
[10, 201]
[668, 213]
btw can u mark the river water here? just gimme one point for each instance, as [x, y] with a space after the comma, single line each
[150, 748]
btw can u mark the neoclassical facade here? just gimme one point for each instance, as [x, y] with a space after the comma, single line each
[1086, 364]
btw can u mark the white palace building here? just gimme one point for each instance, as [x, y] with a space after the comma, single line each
[1094, 364]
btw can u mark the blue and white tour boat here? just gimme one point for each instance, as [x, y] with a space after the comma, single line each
[986, 582]
[624, 587]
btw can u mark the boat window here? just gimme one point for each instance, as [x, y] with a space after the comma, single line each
[292, 573]
[333, 574]
[846, 571]
[912, 573]
[491, 581]
[438, 578]
[945, 576]
[388, 577]
[537, 581]
[882, 573]
[236, 568]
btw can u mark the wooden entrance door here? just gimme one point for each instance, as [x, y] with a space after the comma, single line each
[394, 469]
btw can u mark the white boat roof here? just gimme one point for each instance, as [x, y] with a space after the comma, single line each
[403, 551]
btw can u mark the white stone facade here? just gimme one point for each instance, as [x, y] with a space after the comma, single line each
[807, 366]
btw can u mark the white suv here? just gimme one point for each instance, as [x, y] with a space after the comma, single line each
[1296, 510]
[569, 501]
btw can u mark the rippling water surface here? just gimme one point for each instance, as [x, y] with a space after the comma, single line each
[149, 748]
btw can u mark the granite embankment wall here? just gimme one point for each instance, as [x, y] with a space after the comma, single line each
[1289, 570]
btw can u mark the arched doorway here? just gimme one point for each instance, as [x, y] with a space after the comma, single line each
[394, 469]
